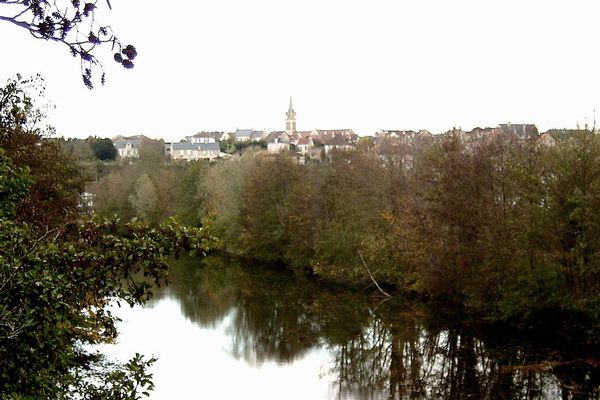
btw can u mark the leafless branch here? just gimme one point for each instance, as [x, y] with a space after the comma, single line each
[74, 26]
[371, 276]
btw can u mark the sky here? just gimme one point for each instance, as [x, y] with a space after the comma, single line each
[362, 65]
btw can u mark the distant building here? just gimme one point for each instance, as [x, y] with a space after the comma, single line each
[304, 145]
[278, 144]
[128, 147]
[395, 134]
[509, 131]
[192, 151]
[249, 135]
[340, 143]
[128, 150]
[242, 135]
[290, 121]
[521, 131]
[257, 136]
[554, 136]
[205, 137]
[326, 135]
[276, 134]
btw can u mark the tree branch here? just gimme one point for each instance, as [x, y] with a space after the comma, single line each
[74, 26]
[371, 276]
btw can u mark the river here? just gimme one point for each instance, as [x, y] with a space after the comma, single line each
[223, 330]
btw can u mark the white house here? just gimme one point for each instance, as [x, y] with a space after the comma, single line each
[192, 151]
[243, 135]
[257, 136]
[248, 135]
[203, 137]
[128, 147]
[278, 145]
[305, 144]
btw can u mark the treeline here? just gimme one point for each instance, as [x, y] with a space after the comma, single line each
[507, 227]
[152, 189]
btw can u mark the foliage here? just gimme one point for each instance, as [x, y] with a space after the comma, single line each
[58, 272]
[54, 195]
[79, 149]
[349, 218]
[152, 151]
[14, 184]
[104, 149]
[225, 185]
[17, 106]
[144, 198]
[274, 222]
[190, 198]
[73, 24]
[54, 290]
[503, 226]
[129, 382]
[224, 145]
[235, 147]
[112, 192]
[152, 189]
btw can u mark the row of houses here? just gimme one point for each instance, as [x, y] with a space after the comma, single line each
[527, 132]
[192, 148]
[311, 144]
[207, 145]
[306, 144]
[315, 143]
[521, 131]
[400, 142]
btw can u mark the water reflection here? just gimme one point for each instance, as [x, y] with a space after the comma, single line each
[379, 351]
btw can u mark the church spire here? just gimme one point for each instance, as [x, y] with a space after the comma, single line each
[290, 122]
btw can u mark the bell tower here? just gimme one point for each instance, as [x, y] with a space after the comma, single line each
[290, 121]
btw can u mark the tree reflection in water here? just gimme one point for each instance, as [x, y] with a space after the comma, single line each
[380, 351]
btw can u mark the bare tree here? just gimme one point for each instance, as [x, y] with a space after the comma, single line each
[72, 23]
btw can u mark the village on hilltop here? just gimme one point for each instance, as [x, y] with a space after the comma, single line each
[318, 143]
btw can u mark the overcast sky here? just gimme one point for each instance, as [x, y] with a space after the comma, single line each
[365, 65]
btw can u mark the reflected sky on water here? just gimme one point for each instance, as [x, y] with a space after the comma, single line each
[197, 362]
[228, 331]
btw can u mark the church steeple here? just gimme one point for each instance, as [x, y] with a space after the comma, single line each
[290, 122]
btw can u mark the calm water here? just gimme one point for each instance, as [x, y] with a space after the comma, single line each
[223, 331]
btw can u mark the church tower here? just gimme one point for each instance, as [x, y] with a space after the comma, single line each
[290, 122]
